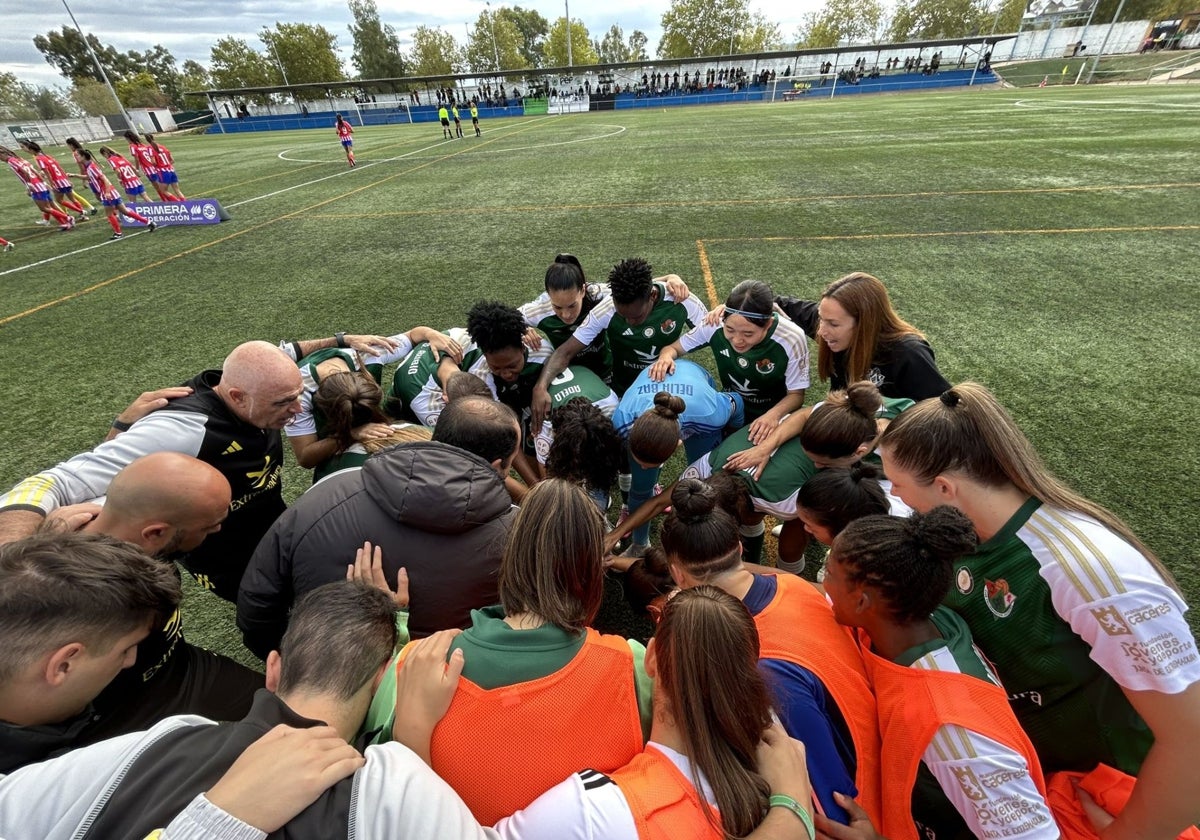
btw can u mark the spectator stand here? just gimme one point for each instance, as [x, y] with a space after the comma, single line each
[781, 76]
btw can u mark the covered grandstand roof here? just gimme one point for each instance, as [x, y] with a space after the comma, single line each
[541, 72]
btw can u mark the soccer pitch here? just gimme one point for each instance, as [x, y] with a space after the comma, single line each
[1045, 240]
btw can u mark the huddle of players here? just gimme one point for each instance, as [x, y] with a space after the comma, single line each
[50, 188]
[530, 381]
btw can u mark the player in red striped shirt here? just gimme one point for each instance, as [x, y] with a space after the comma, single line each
[144, 157]
[344, 131]
[109, 195]
[67, 197]
[6, 245]
[38, 189]
[168, 179]
[126, 174]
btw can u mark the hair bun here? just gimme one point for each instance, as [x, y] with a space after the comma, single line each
[860, 470]
[949, 398]
[668, 405]
[864, 397]
[693, 500]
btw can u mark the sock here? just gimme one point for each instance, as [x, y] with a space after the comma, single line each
[83, 202]
[116, 224]
[624, 482]
[752, 537]
[61, 217]
[137, 216]
[792, 568]
[72, 205]
[45, 216]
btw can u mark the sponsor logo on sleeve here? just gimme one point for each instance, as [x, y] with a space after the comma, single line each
[969, 783]
[1111, 621]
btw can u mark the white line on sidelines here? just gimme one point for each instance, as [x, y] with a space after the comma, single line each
[348, 171]
[85, 249]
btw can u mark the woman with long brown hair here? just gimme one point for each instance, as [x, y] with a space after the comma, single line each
[537, 677]
[1082, 621]
[715, 767]
[822, 691]
[349, 404]
[860, 336]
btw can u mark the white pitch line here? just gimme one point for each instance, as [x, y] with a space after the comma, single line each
[129, 235]
[132, 234]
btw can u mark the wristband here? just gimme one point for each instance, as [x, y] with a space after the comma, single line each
[782, 800]
[121, 426]
[340, 338]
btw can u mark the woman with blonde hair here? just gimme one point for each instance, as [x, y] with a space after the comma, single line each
[860, 336]
[1083, 623]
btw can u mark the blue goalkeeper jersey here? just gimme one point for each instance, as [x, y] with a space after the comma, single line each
[706, 410]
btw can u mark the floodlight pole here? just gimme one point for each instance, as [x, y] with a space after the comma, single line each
[99, 66]
[492, 22]
[1104, 43]
[567, 9]
[275, 52]
[995, 23]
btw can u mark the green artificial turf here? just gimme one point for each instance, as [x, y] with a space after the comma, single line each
[1044, 239]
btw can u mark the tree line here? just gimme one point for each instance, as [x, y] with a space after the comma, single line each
[507, 39]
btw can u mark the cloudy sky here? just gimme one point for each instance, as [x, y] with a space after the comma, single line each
[189, 28]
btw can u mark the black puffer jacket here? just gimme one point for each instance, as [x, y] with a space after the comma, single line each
[439, 511]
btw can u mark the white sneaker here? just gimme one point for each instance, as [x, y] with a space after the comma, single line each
[8, 247]
[43, 222]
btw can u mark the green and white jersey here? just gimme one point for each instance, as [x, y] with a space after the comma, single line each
[596, 356]
[636, 348]
[572, 384]
[766, 372]
[416, 393]
[310, 421]
[518, 394]
[775, 491]
[947, 803]
[1070, 614]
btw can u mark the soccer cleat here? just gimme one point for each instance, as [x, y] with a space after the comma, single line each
[70, 225]
[92, 212]
[153, 226]
[82, 217]
[43, 222]
[118, 236]
[8, 246]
